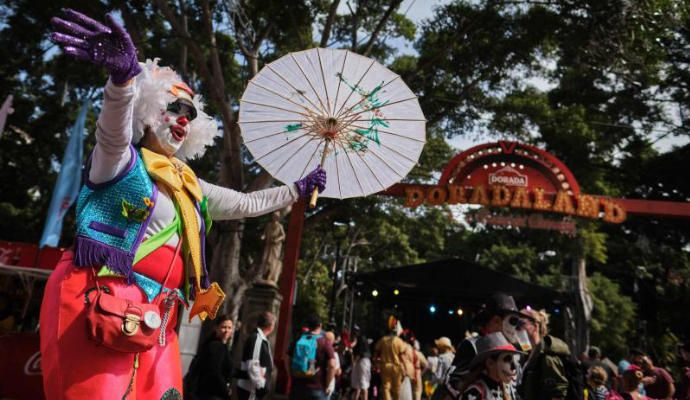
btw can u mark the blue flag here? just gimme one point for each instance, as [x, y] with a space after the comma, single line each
[68, 181]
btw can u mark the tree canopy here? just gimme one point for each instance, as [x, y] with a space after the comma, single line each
[598, 84]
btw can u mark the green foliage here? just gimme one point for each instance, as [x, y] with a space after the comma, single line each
[665, 351]
[466, 56]
[36, 133]
[402, 27]
[354, 29]
[589, 83]
[313, 291]
[594, 82]
[433, 159]
[593, 244]
[613, 316]
[516, 261]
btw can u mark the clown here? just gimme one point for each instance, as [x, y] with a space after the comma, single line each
[494, 369]
[142, 216]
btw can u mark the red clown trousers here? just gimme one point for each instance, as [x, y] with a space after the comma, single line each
[74, 367]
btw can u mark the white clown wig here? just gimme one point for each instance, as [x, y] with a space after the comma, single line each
[153, 94]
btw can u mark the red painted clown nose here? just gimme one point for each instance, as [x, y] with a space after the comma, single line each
[182, 120]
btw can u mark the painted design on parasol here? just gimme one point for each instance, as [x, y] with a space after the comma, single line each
[335, 128]
[349, 112]
[370, 103]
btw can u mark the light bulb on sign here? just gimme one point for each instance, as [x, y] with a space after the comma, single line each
[396, 292]
[459, 312]
[432, 309]
[374, 292]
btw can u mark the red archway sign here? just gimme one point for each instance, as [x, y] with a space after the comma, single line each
[500, 174]
[512, 175]
[528, 164]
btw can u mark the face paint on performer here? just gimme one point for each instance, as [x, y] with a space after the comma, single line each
[514, 330]
[503, 368]
[507, 366]
[175, 119]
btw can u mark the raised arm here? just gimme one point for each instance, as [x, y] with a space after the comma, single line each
[111, 154]
[224, 203]
[109, 46]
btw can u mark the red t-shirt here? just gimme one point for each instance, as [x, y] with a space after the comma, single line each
[324, 353]
[659, 388]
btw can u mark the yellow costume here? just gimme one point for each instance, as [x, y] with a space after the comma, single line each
[390, 351]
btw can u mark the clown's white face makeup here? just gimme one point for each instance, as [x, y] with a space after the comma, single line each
[503, 368]
[173, 127]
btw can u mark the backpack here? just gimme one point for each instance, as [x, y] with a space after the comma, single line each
[565, 366]
[576, 379]
[303, 363]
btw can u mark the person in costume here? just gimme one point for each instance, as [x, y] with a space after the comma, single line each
[498, 314]
[142, 216]
[493, 369]
[389, 354]
[417, 361]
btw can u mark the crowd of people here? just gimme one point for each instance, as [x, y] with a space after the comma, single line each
[141, 224]
[511, 356]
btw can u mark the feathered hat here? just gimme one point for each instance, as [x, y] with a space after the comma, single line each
[156, 88]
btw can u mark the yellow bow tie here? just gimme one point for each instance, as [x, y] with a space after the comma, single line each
[173, 173]
[177, 177]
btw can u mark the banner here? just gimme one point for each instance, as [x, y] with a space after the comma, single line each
[68, 181]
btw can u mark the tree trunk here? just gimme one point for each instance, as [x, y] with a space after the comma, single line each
[583, 303]
[328, 26]
[254, 63]
[226, 260]
[379, 26]
[225, 265]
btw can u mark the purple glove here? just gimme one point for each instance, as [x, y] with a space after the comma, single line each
[315, 179]
[108, 46]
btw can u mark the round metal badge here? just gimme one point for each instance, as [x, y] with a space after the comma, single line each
[152, 319]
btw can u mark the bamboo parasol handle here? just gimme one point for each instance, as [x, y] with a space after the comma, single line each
[315, 193]
[314, 197]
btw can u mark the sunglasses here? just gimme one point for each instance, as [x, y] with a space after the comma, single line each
[181, 108]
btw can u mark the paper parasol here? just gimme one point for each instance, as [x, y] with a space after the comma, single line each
[356, 117]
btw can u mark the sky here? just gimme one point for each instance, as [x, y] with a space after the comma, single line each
[419, 10]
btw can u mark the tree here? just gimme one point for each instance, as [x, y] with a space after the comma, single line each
[47, 93]
[200, 39]
[595, 83]
[613, 316]
[599, 101]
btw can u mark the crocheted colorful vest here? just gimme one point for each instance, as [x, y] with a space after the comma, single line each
[112, 218]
